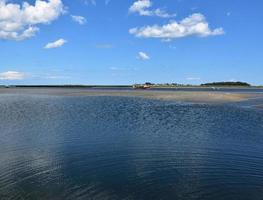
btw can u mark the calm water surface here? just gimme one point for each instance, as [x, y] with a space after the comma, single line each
[76, 148]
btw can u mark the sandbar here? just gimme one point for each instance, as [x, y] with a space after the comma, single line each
[182, 96]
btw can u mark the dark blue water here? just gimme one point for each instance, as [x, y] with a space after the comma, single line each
[76, 148]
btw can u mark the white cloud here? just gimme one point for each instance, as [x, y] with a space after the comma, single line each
[194, 25]
[19, 22]
[55, 44]
[193, 78]
[55, 77]
[12, 75]
[143, 56]
[142, 7]
[79, 19]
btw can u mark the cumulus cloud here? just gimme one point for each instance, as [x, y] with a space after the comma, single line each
[19, 22]
[142, 7]
[55, 44]
[79, 19]
[12, 75]
[194, 25]
[143, 56]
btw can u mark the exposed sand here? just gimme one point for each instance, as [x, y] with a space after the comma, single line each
[260, 106]
[184, 96]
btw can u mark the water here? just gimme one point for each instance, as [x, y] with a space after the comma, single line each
[128, 148]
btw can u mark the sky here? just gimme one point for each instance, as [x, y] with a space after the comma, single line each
[130, 41]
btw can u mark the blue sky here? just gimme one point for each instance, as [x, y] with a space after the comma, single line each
[130, 41]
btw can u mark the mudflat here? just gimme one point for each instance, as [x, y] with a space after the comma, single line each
[184, 96]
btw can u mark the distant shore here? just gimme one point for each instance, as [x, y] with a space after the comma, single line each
[156, 86]
[217, 96]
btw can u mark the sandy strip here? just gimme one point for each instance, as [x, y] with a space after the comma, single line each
[259, 106]
[184, 96]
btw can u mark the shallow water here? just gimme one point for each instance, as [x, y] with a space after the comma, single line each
[128, 148]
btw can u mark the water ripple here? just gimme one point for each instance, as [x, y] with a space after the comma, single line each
[128, 148]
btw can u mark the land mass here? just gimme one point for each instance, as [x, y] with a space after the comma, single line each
[228, 84]
[176, 85]
[144, 85]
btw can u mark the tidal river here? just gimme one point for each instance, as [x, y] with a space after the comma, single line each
[55, 147]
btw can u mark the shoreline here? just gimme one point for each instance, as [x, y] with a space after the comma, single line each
[128, 87]
[176, 95]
